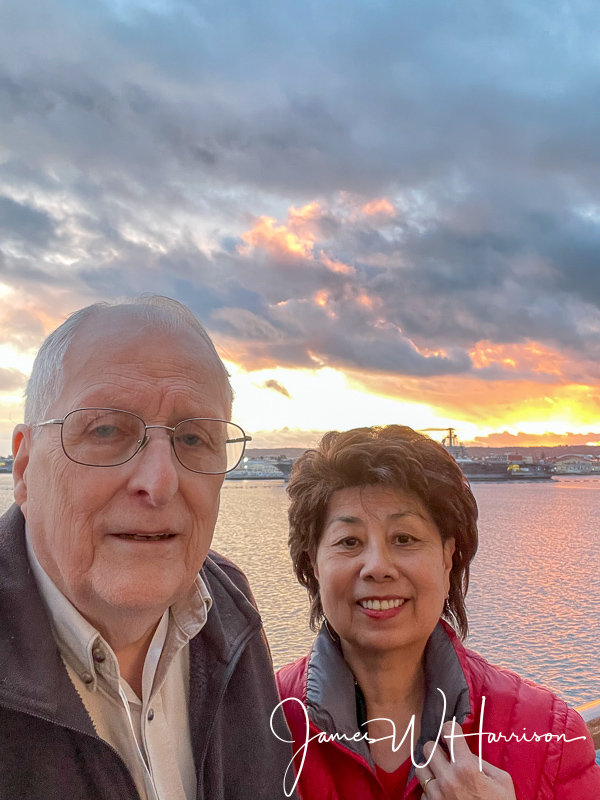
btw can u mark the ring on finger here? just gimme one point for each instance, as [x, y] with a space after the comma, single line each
[431, 778]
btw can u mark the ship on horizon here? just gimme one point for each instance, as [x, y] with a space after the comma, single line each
[492, 469]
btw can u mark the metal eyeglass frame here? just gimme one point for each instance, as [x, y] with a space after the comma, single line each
[145, 438]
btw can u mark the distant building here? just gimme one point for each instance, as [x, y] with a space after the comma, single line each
[574, 464]
[254, 469]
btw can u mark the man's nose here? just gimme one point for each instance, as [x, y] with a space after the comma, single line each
[155, 473]
[379, 564]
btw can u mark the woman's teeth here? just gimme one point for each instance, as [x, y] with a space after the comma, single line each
[381, 605]
[146, 538]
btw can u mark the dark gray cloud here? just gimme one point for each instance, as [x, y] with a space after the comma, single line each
[277, 387]
[23, 224]
[140, 140]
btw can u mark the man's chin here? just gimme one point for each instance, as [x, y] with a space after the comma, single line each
[151, 593]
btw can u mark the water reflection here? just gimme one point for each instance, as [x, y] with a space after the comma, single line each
[534, 598]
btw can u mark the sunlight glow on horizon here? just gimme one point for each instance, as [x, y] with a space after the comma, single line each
[327, 399]
[322, 400]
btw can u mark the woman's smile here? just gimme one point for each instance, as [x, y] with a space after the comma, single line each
[380, 608]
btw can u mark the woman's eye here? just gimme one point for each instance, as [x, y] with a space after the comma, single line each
[349, 541]
[404, 538]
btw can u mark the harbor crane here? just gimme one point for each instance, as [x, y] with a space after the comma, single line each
[449, 440]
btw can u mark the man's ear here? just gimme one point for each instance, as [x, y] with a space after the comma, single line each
[21, 444]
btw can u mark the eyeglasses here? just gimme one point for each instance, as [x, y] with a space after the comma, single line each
[106, 437]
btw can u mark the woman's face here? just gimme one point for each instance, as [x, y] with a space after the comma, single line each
[383, 570]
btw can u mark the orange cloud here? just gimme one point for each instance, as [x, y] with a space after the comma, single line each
[294, 239]
[365, 300]
[494, 404]
[548, 439]
[25, 321]
[381, 206]
[321, 298]
[298, 217]
[336, 266]
[278, 240]
[428, 352]
[531, 357]
[559, 410]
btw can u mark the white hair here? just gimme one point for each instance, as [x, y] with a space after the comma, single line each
[45, 382]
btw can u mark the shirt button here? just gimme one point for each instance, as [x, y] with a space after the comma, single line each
[150, 715]
[98, 655]
[87, 678]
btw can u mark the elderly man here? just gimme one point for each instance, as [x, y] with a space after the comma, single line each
[132, 664]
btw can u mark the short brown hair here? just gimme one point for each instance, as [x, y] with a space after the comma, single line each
[394, 456]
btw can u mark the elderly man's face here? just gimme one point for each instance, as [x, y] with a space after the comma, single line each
[75, 514]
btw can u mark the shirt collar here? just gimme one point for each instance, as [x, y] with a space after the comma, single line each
[77, 639]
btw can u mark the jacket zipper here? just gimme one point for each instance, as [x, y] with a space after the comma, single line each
[229, 672]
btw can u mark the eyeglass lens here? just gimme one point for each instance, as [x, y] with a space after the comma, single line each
[103, 438]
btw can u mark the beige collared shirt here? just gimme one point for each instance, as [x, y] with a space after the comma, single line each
[151, 734]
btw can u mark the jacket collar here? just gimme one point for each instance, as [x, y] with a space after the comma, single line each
[214, 653]
[331, 698]
[233, 616]
[33, 678]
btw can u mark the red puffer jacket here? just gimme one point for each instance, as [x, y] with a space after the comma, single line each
[344, 770]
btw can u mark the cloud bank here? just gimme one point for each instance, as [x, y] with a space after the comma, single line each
[407, 191]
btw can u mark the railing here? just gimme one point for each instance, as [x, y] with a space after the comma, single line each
[591, 714]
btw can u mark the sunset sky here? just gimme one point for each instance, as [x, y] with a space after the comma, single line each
[382, 211]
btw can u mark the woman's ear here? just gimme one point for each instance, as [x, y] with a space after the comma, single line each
[315, 567]
[448, 551]
[449, 548]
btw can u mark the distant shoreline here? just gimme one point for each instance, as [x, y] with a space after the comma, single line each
[536, 452]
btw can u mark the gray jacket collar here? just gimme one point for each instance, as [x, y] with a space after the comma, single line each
[331, 697]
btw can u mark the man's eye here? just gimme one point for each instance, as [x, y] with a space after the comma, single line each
[105, 432]
[190, 440]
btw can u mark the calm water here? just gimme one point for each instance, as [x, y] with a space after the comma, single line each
[534, 600]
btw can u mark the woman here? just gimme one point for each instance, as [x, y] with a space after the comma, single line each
[382, 532]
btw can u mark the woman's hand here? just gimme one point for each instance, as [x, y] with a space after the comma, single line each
[462, 778]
